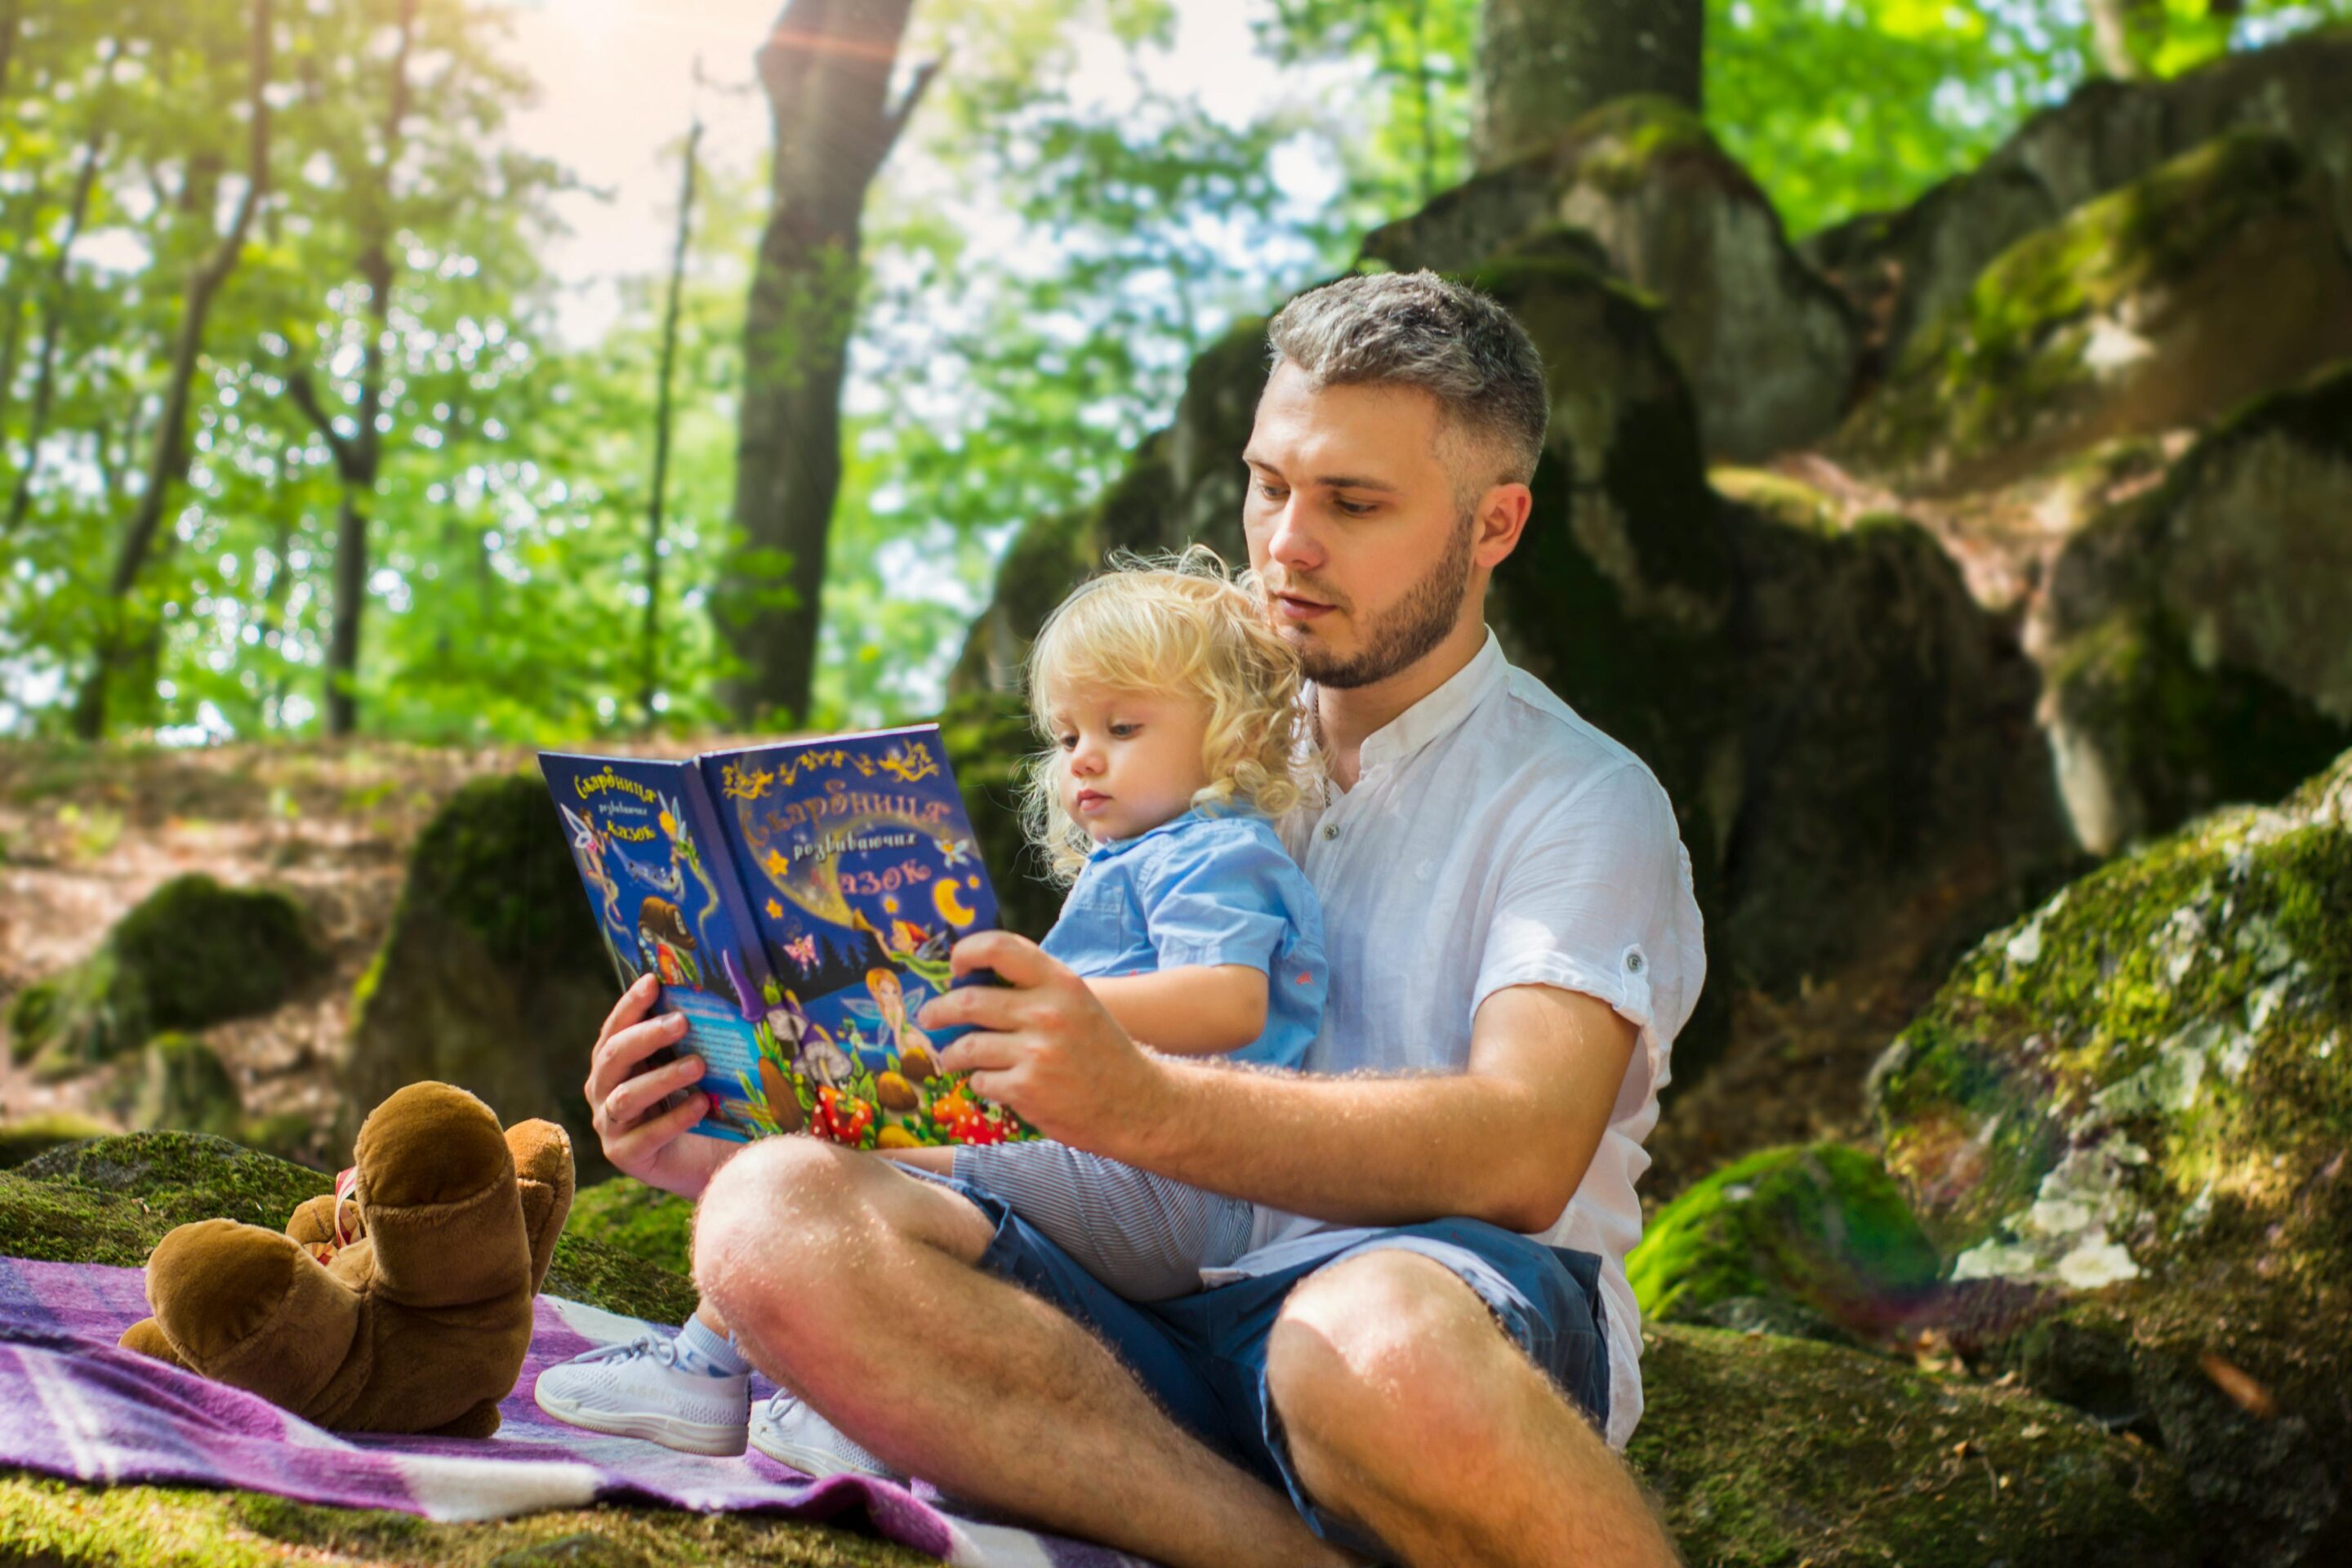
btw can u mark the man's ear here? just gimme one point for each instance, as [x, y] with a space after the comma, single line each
[1502, 518]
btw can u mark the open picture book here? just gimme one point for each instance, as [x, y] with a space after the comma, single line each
[797, 902]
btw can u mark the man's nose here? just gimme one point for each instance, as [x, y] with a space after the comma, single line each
[1290, 541]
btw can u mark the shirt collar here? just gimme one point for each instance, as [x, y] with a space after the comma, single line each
[1116, 847]
[1440, 712]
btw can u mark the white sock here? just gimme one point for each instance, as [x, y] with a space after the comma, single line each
[712, 1354]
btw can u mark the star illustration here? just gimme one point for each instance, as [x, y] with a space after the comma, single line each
[775, 910]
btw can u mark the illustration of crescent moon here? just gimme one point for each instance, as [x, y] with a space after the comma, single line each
[951, 907]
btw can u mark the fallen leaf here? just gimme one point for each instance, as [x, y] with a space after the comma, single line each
[2244, 1392]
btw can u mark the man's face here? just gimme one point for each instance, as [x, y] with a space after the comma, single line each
[1355, 526]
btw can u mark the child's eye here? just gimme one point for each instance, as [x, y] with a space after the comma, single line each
[1067, 742]
[1123, 731]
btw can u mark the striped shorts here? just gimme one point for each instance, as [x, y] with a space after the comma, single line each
[1145, 1237]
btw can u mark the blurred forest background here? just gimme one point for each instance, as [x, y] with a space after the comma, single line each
[299, 437]
[1948, 495]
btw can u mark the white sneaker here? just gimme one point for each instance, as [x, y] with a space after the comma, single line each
[639, 1390]
[789, 1432]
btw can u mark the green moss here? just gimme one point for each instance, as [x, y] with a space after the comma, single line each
[28, 1136]
[638, 1221]
[1792, 503]
[189, 954]
[2138, 1101]
[1619, 145]
[1769, 1452]
[1823, 1226]
[585, 1269]
[58, 1523]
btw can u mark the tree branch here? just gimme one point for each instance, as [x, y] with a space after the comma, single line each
[895, 121]
[305, 397]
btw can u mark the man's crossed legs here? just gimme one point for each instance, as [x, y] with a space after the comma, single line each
[1406, 1415]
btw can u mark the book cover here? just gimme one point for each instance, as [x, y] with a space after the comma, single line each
[655, 862]
[798, 902]
[862, 872]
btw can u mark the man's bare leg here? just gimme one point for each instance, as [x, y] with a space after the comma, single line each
[854, 1284]
[1409, 1412]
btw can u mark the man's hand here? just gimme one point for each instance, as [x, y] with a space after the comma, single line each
[1042, 1045]
[654, 1150]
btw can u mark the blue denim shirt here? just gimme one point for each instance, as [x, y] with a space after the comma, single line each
[1205, 889]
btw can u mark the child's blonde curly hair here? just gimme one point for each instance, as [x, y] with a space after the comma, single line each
[1173, 622]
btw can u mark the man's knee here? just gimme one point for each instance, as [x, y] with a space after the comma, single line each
[764, 1223]
[1385, 1349]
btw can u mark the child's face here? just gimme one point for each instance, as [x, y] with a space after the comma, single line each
[1128, 761]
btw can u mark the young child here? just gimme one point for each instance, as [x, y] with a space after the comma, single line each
[1171, 710]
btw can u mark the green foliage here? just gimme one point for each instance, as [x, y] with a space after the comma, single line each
[637, 1221]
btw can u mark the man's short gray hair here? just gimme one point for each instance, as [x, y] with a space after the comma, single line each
[1417, 329]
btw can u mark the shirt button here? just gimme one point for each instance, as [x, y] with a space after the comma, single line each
[1330, 830]
[1632, 963]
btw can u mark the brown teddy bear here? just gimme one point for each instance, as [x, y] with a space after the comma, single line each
[415, 1315]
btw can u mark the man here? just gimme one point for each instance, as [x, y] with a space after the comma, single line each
[1419, 1365]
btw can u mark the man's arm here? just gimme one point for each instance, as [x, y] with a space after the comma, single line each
[1507, 1141]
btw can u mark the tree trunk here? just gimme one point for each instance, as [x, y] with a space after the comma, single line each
[53, 315]
[650, 687]
[118, 639]
[826, 68]
[1544, 64]
[359, 457]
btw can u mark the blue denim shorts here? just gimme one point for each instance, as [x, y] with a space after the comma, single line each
[1202, 1356]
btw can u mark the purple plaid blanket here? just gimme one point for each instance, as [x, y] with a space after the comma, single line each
[72, 1404]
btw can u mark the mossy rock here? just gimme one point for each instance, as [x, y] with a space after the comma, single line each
[180, 1084]
[989, 742]
[2137, 1103]
[191, 954]
[1767, 1452]
[30, 1136]
[637, 1221]
[493, 975]
[2195, 653]
[2213, 277]
[1824, 1228]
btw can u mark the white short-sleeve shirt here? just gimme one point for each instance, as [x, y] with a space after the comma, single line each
[1493, 838]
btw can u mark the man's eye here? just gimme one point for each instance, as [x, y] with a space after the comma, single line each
[1357, 508]
[1270, 492]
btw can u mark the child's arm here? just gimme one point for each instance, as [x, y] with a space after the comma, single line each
[1198, 1010]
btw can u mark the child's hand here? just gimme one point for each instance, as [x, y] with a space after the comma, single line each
[1042, 1044]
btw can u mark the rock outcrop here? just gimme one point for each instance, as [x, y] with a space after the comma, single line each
[189, 954]
[1901, 270]
[2193, 636]
[2214, 276]
[1768, 349]
[493, 976]
[2128, 1120]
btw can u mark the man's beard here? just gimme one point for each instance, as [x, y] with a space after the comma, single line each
[1421, 620]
